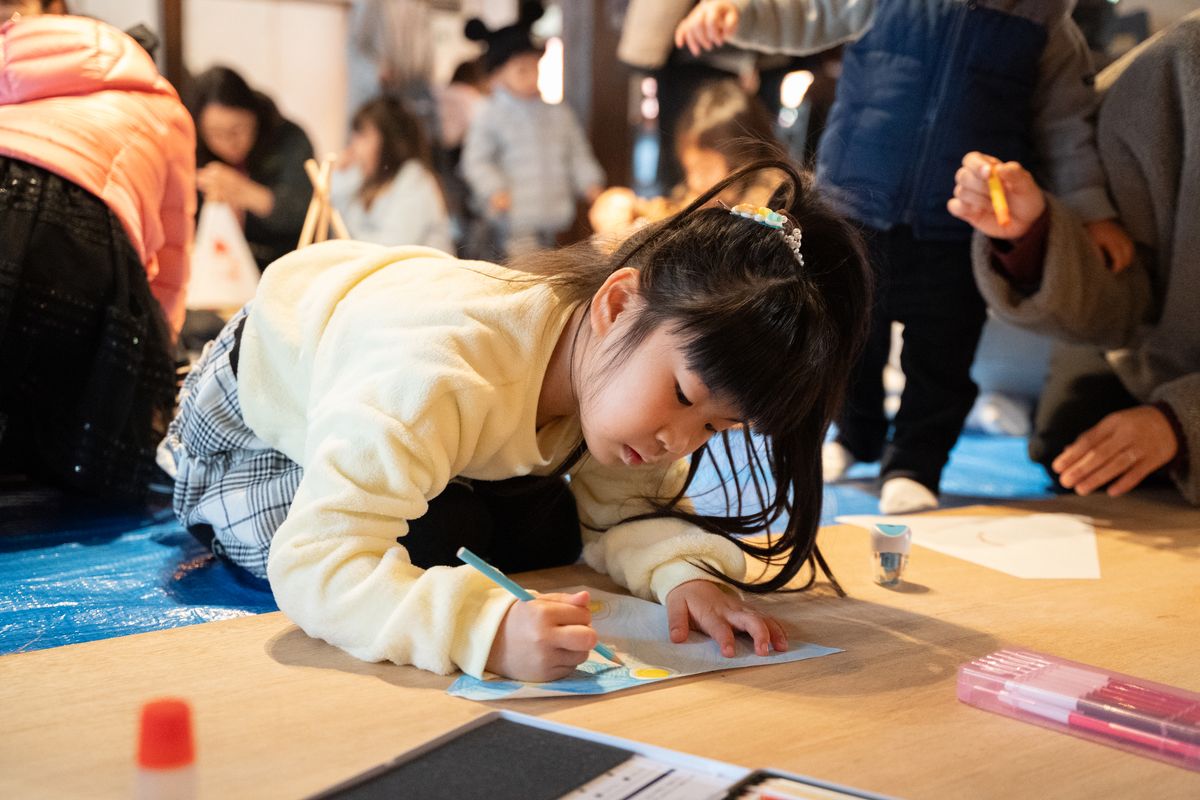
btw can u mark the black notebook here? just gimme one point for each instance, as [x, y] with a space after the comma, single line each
[499, 760]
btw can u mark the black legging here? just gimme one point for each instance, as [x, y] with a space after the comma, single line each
[518, 524]
[927, 285]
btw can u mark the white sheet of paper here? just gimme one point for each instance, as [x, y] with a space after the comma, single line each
[1030, 546]
[637, 630]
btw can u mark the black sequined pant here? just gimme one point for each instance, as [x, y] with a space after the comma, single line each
[86, 369]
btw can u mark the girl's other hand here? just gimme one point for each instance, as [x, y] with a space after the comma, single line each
[1114, 243]
[707, 26]
[972, 201]
[704, 606]
[543, 639]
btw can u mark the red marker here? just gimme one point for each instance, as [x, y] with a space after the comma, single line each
[1109, 730]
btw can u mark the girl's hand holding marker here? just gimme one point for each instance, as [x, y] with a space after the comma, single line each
[550, 652]
[1001, 200]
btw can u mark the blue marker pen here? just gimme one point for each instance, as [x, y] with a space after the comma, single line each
[516, 590]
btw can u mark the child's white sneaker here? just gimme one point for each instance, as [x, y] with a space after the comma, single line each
[905, 496]
[836, 461]
[1000, 414]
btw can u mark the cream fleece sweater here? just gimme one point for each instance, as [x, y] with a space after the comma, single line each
[385, 372]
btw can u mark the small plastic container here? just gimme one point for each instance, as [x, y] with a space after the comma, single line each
[1139, 716]
[889, 552]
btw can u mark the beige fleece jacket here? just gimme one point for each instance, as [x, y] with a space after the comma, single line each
[385, 373]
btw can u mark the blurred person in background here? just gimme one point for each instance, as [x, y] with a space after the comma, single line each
[249, 156]
[385, 188]
[722, 129]
[526, 161]
[96, 215]
[389, 51]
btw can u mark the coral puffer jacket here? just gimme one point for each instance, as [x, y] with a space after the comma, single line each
[83, 100]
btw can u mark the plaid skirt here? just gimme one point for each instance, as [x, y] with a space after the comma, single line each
[225, 476]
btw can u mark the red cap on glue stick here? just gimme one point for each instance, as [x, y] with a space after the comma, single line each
[165, 741]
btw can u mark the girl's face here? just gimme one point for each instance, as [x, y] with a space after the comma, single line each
[228, 131]
[650, 407]
[702, 168]
[365, 143]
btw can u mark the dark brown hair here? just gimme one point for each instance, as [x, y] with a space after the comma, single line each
[224, 86]
[772, 336]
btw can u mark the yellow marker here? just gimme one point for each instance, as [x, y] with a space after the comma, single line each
[999, 201]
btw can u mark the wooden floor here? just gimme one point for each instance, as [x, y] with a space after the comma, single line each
[281, 715]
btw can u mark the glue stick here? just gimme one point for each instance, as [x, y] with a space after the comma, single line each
[166, 755]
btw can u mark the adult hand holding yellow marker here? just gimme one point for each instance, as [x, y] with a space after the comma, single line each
[1002, 200]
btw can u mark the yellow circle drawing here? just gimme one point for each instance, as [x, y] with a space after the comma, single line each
[599, 609]
[649, 673]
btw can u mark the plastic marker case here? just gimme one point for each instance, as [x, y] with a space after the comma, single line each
[1139, 716]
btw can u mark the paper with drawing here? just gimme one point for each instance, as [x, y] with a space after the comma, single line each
[1029, 546]
[637, 630]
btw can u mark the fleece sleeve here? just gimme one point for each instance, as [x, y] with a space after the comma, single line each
[1183, 396]
[337, 564]
[1079, 298]
[649, 557]
[800, 27]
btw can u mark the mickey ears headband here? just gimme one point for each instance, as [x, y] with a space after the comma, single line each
[528, 13]
[776, 220]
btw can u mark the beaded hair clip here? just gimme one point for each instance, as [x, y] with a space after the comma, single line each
[781, 222]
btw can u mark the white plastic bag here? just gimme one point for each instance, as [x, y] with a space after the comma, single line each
[224, 273]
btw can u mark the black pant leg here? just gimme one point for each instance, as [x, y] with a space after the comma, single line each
[456, 518]
[863, 426]
[934, 295]
[518, 524]
[1081, 389]
[535, 522]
